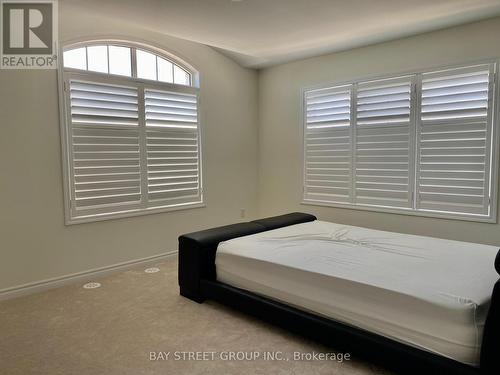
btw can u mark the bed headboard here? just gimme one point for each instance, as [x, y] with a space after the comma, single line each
[276, 222]
[197, 250]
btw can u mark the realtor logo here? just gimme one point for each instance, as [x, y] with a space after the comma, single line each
[28, 34]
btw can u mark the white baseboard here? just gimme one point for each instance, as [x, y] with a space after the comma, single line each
[85, 276]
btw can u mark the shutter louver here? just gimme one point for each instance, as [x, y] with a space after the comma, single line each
[454, 141]
[173, 164]
[382, 153]
[327, 174]
[106, 105]
[105, 147]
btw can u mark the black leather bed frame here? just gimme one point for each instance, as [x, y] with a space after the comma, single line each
[197, 281]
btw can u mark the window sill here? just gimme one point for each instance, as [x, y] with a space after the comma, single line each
[430, 214]
[130, 213]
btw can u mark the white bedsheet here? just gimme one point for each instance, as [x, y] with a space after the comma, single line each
[430, 293]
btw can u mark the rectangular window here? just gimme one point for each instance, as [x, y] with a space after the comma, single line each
[133, 147]
[420, 144]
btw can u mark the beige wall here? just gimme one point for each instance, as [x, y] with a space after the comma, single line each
[251, 143]
[280, 149]
[34, 242]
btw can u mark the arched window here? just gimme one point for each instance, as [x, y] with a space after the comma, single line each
[126, 61]
[131, 131]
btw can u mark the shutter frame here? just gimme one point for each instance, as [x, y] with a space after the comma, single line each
[328, 159]
[384, 127]
[90, 139]
[177, 139]
[455, 149]
[74, 213]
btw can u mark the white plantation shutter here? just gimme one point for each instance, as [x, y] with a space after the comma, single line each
[384, 124]
[420, 144]
[131, 148]
[173, 158]
[104, 131]
[454, 140]
[327, 172]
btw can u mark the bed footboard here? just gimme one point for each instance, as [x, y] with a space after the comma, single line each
[490, 361]
[197, 250]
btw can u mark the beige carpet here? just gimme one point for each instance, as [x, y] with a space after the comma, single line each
[112, 330]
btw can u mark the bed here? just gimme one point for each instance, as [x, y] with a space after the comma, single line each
[411, 303]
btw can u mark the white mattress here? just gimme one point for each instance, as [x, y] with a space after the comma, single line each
[430, 293]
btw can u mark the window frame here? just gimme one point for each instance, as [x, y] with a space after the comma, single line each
[494, 150]
[64, 76]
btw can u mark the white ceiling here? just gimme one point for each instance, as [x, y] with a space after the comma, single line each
[260, 33]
